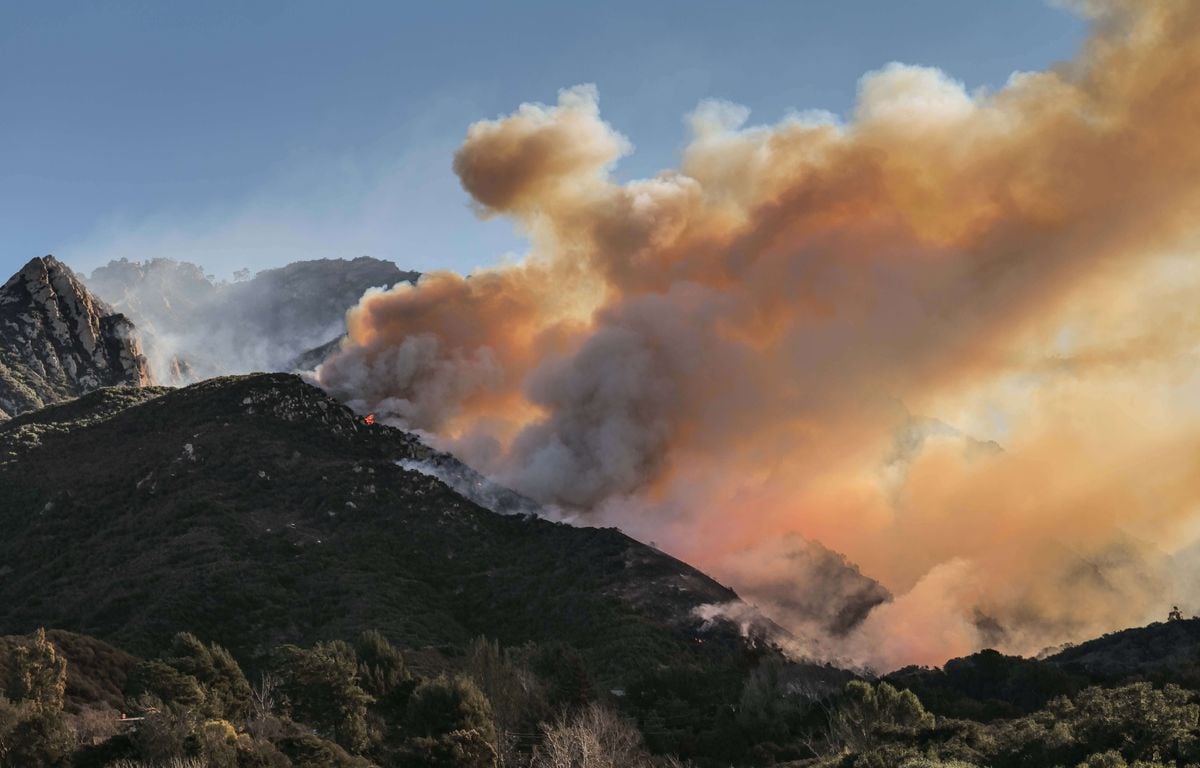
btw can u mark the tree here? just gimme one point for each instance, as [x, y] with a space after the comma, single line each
[263, 696]
[41, 738]
[381, 667]
[865, 711]
[321, 686]
[33, 730]
[38, 675]
[563, 669]
[764, 709]
[450, 724]
[595, 737]
[308, 751]
[227, 692]
[1138, 720]
[517, 700]
[10, 717]
[163, 683]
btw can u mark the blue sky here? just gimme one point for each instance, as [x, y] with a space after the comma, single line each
[251, 134]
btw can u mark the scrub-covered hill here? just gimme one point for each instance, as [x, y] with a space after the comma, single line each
[256, 510]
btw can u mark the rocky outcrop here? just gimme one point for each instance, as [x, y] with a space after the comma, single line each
[58, 341]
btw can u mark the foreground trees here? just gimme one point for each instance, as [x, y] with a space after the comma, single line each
[449, 723]
[321, 687]
[357, 705]
[33, 730]
[595, 737]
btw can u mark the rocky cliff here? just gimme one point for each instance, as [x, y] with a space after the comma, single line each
[58, 341]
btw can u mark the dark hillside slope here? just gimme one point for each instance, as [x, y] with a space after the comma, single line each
[255, 510]
[1167, 650]
[988, 685]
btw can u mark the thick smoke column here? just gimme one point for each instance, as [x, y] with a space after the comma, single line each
[729, 353]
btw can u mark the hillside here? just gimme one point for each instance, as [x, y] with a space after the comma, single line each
[259, 511]
[58, 341]
[989, 685]
[1168, 650]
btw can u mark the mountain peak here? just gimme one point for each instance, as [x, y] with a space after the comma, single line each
[37, 269]
[58, 341]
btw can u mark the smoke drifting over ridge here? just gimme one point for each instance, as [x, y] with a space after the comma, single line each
[725, 355]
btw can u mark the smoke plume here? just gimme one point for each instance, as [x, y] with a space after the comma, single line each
[735, 352]
[196, 327]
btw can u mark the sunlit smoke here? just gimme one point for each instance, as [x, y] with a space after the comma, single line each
[951, 338]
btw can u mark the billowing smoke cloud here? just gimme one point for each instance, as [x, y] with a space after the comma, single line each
[195, 327]
[728, 354]
[781, 576]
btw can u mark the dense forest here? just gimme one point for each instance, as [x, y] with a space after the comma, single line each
[72, 700]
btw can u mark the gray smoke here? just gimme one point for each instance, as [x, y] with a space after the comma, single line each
[196, 326]
[470, 484]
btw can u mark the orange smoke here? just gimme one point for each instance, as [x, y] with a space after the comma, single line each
[950, 338]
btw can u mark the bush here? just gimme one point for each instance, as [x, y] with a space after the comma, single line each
[449, 723]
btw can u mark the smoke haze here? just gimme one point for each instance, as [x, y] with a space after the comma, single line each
[195, 327]
[732, 355]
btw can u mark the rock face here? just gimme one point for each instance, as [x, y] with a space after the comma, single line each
[58, 341]
[196, 327]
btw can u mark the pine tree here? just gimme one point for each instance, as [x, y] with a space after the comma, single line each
[38, 675]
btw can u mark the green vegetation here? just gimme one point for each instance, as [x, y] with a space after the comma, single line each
[1132, 725]
[359, 705]
[193, 706]
[263, 512]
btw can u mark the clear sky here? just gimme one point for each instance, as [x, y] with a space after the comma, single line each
[251, 134]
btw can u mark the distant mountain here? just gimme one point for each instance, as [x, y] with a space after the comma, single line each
[198, 327]
[989, 685]
[1164, 650]
[256, 510]
[58, 341]
[311, 358]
